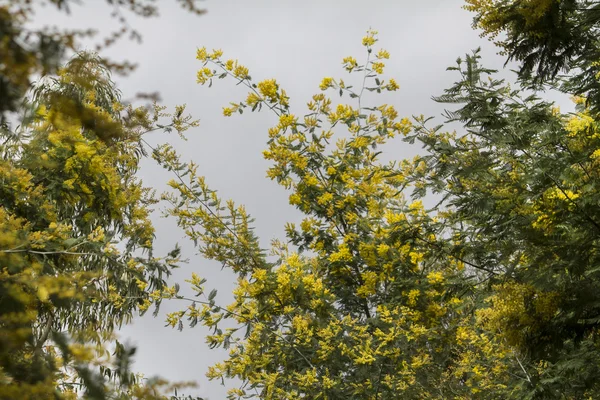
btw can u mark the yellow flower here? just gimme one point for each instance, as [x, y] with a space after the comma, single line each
[227, 111]
[580, 124]
[360, 142]
[229, 64]
[416, 206]
[252, 99]
[365, 358]
[370, 39]
[141, 284]
[378, 67]
[383, 54]
[216, 54]
[307, 225]
[268, 88]
[415, 257]
[566, 194]
[311, 180]
[145, 304]
[155, 295]
[326, 83]
[435, 277]
[349, 63]
[287, 120]
[295, 199]
[260, 275]
[383, 249]
[343, 254]
[173, 318]
[413, 295]
[369, 287]
[201, 54]
[388, 112]
[342, 112]
[392, 85]
[195, 280]
[325, 198]
[240, 71]
[204, 74]
[328, 383]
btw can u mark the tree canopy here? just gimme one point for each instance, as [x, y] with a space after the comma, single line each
[490, 293]
[548, 38]
[470, 271]
[26, 52]
[76, 237]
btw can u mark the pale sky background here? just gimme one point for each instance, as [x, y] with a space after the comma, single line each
[298, 43]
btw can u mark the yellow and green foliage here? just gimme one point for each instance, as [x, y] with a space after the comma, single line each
[75, 238]
[547, 38]
[27, 50]
[491, 293]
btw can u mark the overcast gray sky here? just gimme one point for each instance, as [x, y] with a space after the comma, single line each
[298, 43]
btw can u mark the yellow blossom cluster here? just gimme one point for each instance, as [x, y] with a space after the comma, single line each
[361, 307]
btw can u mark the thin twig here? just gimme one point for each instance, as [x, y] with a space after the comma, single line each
[45, 333]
